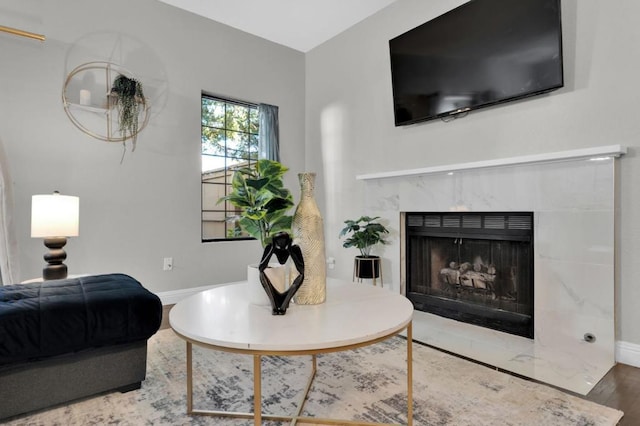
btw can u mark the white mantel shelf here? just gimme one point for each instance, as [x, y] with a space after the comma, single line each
[599, 152]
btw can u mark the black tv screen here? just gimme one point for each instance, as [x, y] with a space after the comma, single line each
[482, 53]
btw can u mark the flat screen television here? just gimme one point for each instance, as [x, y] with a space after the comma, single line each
[479, 54]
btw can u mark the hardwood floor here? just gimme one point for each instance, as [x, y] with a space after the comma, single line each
[619, 389]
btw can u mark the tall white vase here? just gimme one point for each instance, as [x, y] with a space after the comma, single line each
[308, 234]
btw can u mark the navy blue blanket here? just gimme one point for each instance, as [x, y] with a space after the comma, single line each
[56, 317]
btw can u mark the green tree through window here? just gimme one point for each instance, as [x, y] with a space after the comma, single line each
[229, 141]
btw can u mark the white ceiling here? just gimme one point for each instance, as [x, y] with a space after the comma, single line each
[299, 24]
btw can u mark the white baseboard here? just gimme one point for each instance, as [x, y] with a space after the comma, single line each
[628, 353]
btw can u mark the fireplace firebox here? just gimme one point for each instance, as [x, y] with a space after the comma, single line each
[475, 267]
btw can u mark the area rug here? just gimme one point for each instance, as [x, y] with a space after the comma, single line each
[367, 384]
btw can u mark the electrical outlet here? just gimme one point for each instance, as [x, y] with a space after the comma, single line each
[168, 264]
[331, 262]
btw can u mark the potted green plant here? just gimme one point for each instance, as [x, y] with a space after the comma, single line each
[128, 97]
[260, 194]
[264, 201]
[364, 233]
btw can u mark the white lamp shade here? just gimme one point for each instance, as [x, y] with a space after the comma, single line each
[55, 215]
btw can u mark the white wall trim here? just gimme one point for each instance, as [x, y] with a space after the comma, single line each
[594, 153]
[628, 353]
[174, 296]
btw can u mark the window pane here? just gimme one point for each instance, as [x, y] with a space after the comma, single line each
[253, 147]
[237, 117]
[213, 225]
[211, 193]
[254, 122]
[212, 112]
[237, 145]
[233, 227]
[211, 163]
[213, 141]
[236, 163]
[229, 140]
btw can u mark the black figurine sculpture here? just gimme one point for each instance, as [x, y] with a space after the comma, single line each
[282, 247]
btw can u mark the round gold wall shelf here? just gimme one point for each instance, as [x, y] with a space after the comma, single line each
[86, 101]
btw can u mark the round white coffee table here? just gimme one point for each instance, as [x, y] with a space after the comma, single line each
[354, 315]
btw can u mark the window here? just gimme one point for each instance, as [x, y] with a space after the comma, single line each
[229, 141]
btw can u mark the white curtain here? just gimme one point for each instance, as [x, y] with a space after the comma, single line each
[269, 138]
[8, 244]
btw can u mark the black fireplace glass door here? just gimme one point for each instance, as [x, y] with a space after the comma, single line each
[472, 279]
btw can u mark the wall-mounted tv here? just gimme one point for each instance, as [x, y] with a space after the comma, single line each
[481, 53]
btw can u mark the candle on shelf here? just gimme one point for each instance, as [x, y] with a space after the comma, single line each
[85, 97]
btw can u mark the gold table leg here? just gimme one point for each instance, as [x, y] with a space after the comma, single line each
[410, 374]
[257, 415]
[257, 391]
[189, 378]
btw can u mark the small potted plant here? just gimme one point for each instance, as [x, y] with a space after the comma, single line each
[127, 96]
[364, 233]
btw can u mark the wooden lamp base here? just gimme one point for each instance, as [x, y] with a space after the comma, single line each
[55, 269]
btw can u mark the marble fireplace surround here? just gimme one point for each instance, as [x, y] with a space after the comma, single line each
[571, 195]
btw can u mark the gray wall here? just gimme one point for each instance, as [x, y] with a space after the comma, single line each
[134, 214]
[336, 119]
[350, 127]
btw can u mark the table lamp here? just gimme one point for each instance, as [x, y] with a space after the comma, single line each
[54, 217]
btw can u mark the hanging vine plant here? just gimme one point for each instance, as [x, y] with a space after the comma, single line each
[127, 96]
